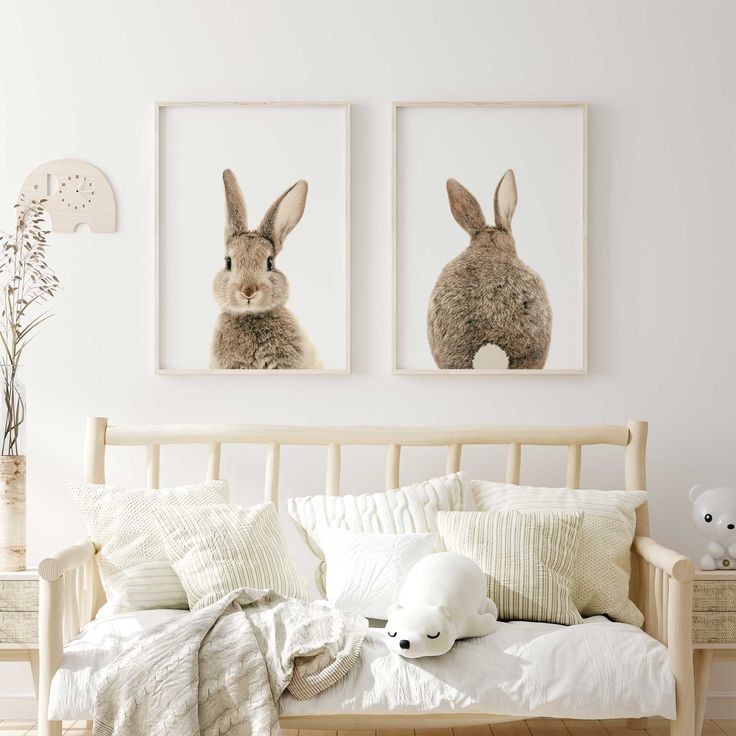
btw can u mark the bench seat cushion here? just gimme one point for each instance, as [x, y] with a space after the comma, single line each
[598, 669]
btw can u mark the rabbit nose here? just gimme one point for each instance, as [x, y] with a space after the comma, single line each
[404, 644]
[249, 292]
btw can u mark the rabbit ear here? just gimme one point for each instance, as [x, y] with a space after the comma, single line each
[284, 214]
[504, 201]
[465, 208]
[236, 220]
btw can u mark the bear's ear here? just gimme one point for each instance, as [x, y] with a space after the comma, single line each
[696, 492]
[393, 608]
[445, 611]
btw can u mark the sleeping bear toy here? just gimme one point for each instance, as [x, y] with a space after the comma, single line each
[443, 599]
[714, 516]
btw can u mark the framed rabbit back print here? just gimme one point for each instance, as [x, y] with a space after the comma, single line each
[252, 237]
[489, 219]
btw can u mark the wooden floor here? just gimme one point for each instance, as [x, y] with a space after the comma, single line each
[536, 727]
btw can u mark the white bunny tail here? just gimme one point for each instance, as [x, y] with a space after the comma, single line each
[491, 356]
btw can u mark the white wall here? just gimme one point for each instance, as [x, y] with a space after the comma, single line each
[78, 79]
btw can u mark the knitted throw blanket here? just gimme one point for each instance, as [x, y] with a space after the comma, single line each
[221, 670]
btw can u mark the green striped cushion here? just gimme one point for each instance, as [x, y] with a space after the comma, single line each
[527, 559]
[217, 549]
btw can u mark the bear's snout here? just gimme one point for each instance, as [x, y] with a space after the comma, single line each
[405, 644]
[730, 526]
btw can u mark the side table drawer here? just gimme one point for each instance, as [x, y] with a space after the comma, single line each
[18, 595]
[714, 627]
[714, 595]
[18, 627]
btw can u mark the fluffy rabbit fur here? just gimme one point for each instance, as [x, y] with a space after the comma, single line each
[255, 329]
[487, 295]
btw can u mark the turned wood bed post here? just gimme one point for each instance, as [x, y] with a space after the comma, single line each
[665, 601]
[51, 586]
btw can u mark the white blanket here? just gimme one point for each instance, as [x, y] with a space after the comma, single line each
[222, 669]
[597, 670]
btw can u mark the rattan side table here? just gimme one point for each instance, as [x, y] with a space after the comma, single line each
[19, 619]
[714, 629]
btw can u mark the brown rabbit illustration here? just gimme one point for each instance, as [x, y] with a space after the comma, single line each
[487, 296]
[255, 329]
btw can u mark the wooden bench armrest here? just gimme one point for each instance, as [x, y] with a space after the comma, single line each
[677, 566]
[68, 597]
[52, 568]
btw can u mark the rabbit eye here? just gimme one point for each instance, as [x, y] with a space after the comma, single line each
[429, 636]
[392, 635]
[269, 263]
[228, 263]
[708, 518]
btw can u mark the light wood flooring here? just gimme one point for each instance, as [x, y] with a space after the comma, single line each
[535, 727]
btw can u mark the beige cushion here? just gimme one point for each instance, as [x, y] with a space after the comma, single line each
[527, 559]
[217, 549]
[602, 567]
[408, 510]
[135, 571]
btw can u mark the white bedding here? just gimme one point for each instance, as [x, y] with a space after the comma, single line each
[596, 670]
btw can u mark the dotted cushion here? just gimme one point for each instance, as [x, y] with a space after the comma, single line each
[602, 567]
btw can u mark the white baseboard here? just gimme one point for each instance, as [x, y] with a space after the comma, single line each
[23, 707]
[18, 708]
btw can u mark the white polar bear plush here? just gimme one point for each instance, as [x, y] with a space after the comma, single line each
[714, 516]
[443, 599]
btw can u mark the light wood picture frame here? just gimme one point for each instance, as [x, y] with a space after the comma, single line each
[443, 310]
[290, 164]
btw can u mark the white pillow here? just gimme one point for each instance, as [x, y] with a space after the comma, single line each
[408, 510]
[217, 549]
[602, 565]
[365, 570]
[135, 571]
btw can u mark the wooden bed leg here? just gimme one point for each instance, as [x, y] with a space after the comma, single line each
[680, 645]
[51, 649]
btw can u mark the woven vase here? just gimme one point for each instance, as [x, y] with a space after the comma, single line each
[12, 512]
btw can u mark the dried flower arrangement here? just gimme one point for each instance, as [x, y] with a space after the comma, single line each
[27, 283]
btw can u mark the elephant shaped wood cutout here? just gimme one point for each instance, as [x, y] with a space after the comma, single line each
[76, 193]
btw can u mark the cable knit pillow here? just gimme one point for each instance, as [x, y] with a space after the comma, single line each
[217, 549]
[408, 510]
[602, 567]
[135, 571]
[527, 559]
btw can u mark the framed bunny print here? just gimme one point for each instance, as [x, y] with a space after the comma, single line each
[252, 211]
[489, 229]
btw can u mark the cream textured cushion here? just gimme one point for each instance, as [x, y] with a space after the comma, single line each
[602, 567]
[365, 570]
[217, 549]
[527, 559]
[135, 571]
[411, 509]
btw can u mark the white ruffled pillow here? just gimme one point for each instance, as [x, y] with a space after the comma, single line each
[408, 510]
[365, 570]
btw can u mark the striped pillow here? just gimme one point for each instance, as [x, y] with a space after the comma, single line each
[527, 559]
[134, 569]
[217, 549]
[602, 566]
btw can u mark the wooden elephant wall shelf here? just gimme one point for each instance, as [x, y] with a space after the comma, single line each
[76, 192]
